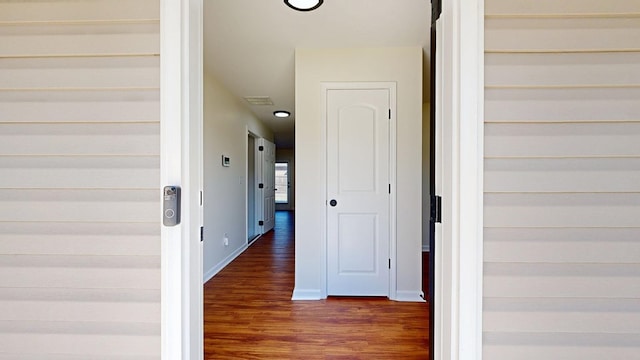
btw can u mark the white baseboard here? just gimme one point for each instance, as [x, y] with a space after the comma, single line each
[425, 248]
[307, 294]
[255, 239]
[222, 264]
[409, 296]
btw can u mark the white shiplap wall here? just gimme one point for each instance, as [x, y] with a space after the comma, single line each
[562, 180]
[79, 179]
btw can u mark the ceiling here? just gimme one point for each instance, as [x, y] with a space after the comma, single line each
[249, 45]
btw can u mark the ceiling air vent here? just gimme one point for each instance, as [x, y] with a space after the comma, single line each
[259, 100]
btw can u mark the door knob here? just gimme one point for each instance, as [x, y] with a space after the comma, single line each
[333, 202]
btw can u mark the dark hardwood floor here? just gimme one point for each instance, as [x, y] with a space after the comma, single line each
[248, 313]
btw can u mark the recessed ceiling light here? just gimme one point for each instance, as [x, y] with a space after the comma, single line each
[281, 114]
[304, 5]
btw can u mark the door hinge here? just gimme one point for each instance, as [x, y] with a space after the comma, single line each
[389, 114]
[260, 148]
[436, 10]
[260, 186]
[260, 223]
[389, 188]
[201, 233]
[436, 208]
[201, 198]
[389, 263]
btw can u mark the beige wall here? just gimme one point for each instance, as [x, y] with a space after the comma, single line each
[313, 66]
[562, 180]
[226, 125]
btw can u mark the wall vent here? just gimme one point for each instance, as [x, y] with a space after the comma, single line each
[259, 100]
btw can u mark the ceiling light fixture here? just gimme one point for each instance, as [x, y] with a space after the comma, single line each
[281, 114]
[304, 5]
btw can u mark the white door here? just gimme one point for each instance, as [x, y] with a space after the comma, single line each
[358, 187]
[269, 184]
[253, 195]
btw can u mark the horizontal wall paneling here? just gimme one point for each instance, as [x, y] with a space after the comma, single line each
[79, 179]
[562, 180]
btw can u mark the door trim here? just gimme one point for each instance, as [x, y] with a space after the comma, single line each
[254, 181]
[460, 171]
[181, 118]
[391, 86]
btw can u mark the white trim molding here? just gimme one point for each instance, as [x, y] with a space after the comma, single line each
[460, 84]
[409, 296]
[181, 102]
[308, 294]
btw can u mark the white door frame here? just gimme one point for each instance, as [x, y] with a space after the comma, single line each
[256, 196]
[181, 110]
[391, 86]
[458, 316]
[459, 168]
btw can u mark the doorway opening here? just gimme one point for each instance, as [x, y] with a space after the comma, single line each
[284, 198]
[283, 183]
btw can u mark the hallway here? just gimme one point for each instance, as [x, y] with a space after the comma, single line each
[248, 313]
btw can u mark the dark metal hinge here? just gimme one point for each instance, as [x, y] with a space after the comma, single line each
[201, 233]
[436, 10]
[389, 263]
[389, 114]
[436, 208]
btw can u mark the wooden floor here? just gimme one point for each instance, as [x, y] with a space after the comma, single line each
[248, 313]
